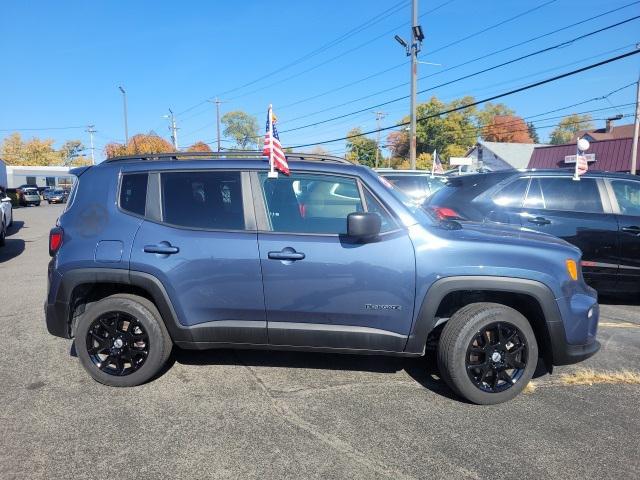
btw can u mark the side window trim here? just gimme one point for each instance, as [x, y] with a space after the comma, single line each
[361, 189]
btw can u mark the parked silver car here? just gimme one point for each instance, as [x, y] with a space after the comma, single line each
[30, 196]
[6, 215]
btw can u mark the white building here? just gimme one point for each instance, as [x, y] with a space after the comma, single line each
[38, 175]
[500, 155]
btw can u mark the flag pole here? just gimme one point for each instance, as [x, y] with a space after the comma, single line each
[272, 172]
[575, 171]
[433, 162]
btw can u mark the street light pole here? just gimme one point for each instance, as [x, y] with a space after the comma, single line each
[412, 49]
[126, 127]
[91, 130]
[414, 83]
[217, 101]
[174, 129]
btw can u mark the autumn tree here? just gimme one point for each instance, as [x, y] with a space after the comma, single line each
[398, 144]
[199, 147]
[242, 128]
[568, 127]
[486, 115]
[35, 151]
[139, 144]
[361, 149]
[507, 128]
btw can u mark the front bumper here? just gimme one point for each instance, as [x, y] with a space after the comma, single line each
[574, 338]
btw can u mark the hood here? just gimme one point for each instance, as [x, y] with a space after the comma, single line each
[503, 234]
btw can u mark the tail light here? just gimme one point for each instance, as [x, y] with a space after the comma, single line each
[446, 213]
[55, 240]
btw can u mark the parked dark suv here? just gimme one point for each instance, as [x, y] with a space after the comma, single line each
[600, 214]
[206, 252]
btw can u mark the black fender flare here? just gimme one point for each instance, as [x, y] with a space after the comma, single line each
[554, 334]
[59, 314]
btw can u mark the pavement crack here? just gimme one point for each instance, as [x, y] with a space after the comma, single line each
[343, 447]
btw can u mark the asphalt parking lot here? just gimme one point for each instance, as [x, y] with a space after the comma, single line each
[232, 414]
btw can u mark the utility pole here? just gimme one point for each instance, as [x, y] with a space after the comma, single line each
[412, 50]
[91, 130]
[379, 116]
[636, 127]
[126, 127]
[217, 101]
[174, 129]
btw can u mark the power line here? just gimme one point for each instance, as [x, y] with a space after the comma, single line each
[493, 97]
[363, 26]
[41, 128]
[491, 27]
[439, 72]
[464, 77]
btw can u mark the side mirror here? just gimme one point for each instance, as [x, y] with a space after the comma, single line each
[363, 225]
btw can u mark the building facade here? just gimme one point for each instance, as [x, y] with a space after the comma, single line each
[38, 175]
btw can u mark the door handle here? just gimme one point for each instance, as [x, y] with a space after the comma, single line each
[286, 254]
[162, 248]
[539, 220]
[632, 229]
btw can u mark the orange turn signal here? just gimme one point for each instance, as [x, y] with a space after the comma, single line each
[572, 269]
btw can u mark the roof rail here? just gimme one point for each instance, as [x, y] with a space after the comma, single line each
[226, 155]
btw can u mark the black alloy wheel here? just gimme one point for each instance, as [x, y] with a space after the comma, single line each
[117, 343]
[497, 357]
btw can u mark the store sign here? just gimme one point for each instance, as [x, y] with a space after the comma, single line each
[591, 157]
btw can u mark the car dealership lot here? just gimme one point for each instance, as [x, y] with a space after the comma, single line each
[226, 414]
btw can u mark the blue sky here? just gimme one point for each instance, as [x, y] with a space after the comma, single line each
[62, 62]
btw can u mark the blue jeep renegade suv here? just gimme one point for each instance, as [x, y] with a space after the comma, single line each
[205, 251]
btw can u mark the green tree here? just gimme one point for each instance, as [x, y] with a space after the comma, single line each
[568, 127]
[361, 149]
[242, 128]
[533, 133]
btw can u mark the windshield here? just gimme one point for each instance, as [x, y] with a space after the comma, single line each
[414, 206]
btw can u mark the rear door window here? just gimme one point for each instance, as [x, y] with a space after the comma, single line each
[627, 193]
[205, 200]
[566, 194]
[512, 195]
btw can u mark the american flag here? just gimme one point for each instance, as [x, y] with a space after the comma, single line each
[581, 164]
[272, 147]
[437, 164]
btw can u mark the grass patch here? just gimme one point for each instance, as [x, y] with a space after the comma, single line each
[530, 388]
[588, 376]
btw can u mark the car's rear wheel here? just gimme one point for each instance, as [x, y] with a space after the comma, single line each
[487, 353]
[122, 341]
[3, 234]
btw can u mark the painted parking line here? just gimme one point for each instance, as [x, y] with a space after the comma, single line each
[618, 325]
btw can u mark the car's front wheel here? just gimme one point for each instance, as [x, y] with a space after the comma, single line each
[122, 341]
[487, 353]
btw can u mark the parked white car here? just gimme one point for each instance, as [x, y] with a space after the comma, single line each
[6, 215]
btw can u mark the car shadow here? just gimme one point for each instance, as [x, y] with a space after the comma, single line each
[15, 227]
[423, 370]
[13, 246]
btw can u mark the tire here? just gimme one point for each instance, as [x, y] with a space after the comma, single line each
[154, 337]
[49, 201]
[3, 234]
[37, 204]
[472, 337]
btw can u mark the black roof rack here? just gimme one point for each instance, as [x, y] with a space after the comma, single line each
[226, 155]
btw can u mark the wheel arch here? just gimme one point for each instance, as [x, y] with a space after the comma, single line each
[531, 298]
[81, 287]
